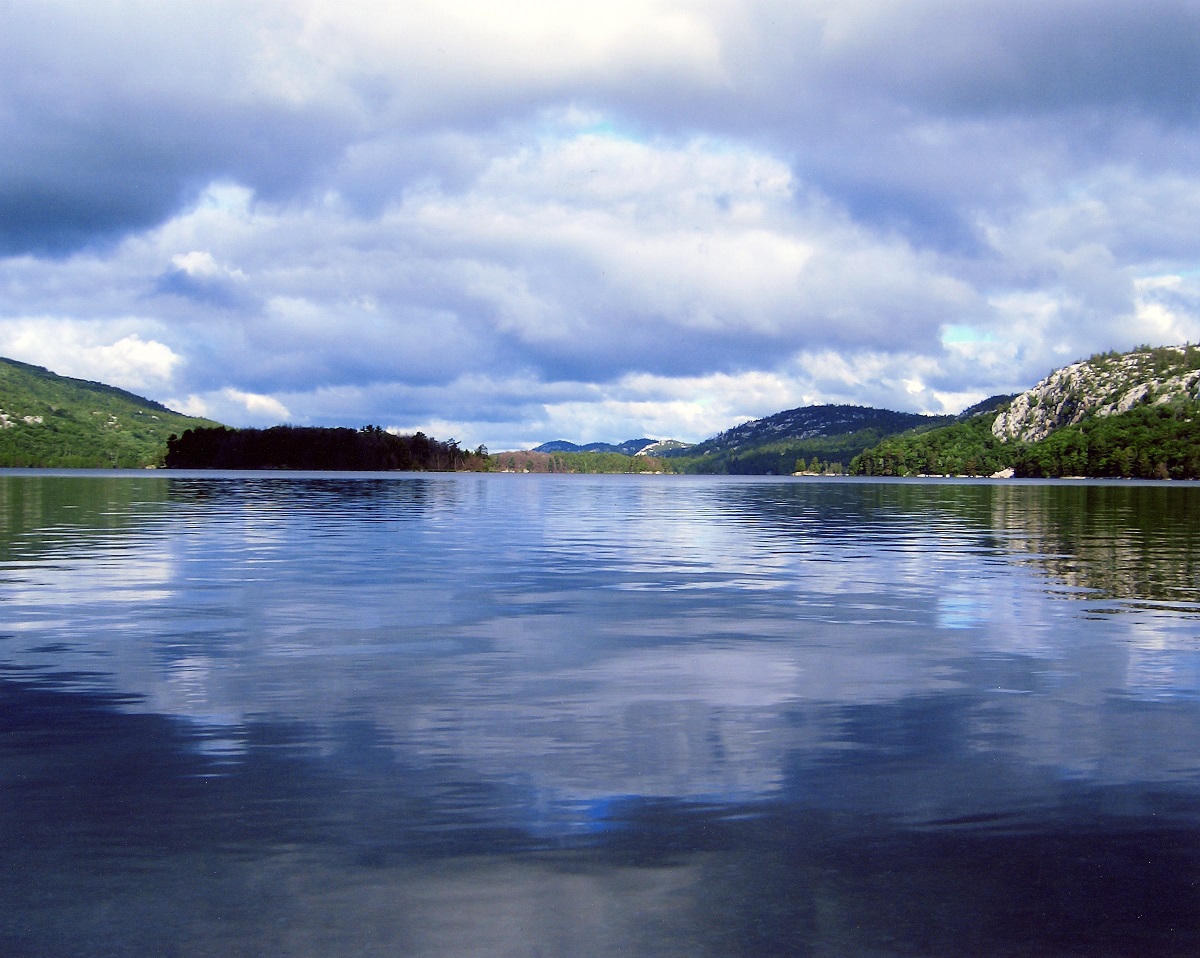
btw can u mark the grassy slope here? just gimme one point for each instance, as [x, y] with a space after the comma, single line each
[82, 424]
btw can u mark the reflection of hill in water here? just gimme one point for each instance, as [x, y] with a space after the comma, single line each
[47, 513]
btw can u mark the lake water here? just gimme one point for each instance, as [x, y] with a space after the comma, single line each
[497, 715]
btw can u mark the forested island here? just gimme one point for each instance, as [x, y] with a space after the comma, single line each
[339, 449]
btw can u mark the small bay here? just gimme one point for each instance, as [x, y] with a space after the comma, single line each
[475, 714]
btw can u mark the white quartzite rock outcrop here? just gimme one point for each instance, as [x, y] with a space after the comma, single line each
[1099, 386]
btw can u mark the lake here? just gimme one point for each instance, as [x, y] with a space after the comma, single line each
[507, 715]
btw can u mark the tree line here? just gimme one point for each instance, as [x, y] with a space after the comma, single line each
[575, 462]
[337, 449]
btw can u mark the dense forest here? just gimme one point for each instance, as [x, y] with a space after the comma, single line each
[963, 449]
[309, 447]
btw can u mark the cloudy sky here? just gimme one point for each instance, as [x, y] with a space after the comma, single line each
[513, 222]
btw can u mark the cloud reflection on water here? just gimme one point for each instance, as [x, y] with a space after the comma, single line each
[489, 624]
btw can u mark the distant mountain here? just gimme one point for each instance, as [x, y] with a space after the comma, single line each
[52, 420]
[1134, 414]
[812, 422]
[808, 438]
[630, 447]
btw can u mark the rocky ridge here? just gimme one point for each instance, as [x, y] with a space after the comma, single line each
[1104, 385]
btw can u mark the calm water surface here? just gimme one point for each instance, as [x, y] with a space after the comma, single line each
[570, 716]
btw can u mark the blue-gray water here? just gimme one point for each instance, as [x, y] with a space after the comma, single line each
[573, 716]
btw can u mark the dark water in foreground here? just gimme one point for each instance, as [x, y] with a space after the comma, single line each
[575, 716]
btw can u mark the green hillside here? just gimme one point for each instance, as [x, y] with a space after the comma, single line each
[48, 420]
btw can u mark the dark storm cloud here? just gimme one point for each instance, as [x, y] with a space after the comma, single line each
[121, 171]
[1058, 57]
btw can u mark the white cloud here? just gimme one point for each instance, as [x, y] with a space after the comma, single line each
[192, 405]
[233, 406]
[257, 405]
[1167, 309]
[467, 50]
[102, 352]
[200, 264]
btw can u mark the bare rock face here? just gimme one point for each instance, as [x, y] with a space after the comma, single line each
[1101, 386]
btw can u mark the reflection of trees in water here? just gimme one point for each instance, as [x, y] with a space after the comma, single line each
[1126, 541]
[1123, 540]
[272, 496]
[46, 513]
[39, 514]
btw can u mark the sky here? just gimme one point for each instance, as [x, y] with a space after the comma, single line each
[506, 223]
